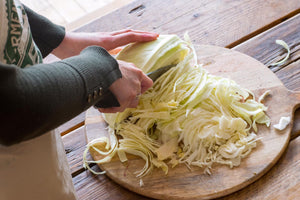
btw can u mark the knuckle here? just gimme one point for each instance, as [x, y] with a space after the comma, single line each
[139, 73]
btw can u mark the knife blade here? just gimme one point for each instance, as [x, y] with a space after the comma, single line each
[108, 99]
[157, 73]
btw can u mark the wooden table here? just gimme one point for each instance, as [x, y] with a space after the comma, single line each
[249, 26]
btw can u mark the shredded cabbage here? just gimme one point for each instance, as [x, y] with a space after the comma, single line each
[189, 116]
[283, 123]
[285, 45]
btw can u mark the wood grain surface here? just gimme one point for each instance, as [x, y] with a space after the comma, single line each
[213, 22]
[182, 183]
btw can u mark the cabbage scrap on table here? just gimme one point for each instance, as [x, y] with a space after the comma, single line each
[188, 116]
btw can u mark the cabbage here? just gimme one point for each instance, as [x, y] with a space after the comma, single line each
[153, 55]
[283, 123]
[284, 45]
[188, 116]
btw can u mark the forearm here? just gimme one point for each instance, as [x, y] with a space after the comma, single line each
[37, 99]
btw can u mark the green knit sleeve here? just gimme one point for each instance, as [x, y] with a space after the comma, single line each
[39, 98]
[46, 34]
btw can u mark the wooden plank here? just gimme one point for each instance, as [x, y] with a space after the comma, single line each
[71, 125]
[281, 182]
[74, 143]
[290, 76]
[215, 22]
[296, 128]
[101, 187]
[263, 48]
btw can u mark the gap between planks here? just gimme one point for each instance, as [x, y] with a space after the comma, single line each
[263, 29]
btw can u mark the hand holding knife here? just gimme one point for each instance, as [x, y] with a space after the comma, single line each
[108, 96]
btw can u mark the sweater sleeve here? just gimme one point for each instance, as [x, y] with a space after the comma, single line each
[39, 98]
[46, 34]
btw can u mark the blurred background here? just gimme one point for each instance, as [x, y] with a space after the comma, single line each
[74, 13]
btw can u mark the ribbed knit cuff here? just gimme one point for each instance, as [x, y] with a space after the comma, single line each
[98, 70]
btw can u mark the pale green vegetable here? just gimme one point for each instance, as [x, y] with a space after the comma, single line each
[284, 44]
[103, 147]
[283, 123]
[189, 116]
[154, 55]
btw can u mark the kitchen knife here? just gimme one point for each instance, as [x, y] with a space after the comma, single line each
[157, 73]
[108, 99]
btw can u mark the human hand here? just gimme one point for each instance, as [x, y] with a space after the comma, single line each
[128, 88]
[74, 42]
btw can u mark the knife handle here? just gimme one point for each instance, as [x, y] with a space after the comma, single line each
[107, 100]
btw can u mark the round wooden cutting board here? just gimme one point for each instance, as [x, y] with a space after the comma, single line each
[184, 183]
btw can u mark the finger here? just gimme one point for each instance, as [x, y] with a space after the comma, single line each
[135, 102]
[126, 38]
[138, 36]
[111, 110]
[128, 31]
[146, 83]
[120, 31]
